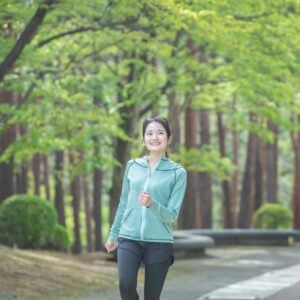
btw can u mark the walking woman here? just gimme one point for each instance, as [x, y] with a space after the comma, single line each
[152, 192]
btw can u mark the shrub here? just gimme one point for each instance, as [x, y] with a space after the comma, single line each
[60, 240]
[26, 221]
[273, 216]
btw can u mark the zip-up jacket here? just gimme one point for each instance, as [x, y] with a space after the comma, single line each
[166, 185]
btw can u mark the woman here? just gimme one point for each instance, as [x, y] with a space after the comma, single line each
[152, 192]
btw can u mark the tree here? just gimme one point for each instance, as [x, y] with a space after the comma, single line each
[188, 216]
[272, 164]
[247, 192]
[25, 37]
[205, 180]
[296, 186]
[7, 136]
[59, 191]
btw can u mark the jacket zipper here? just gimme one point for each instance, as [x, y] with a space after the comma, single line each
[143, 223]
[144, 208]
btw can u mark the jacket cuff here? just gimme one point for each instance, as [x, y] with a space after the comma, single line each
[113, 237]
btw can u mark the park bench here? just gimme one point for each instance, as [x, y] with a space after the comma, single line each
[190, 245]
[247, 236]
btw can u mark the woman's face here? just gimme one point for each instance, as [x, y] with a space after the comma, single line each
[155, 138]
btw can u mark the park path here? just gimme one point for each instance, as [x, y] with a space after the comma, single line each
[227, 273]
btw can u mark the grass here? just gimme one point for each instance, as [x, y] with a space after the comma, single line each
[49, 275]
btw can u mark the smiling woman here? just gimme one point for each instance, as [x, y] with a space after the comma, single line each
[152, 193]
[157, 136]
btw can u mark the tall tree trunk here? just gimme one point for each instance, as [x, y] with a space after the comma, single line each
[7, 137]
[235, 178]
[174, 120]
[88, 214]
[22, 182]
[97, 192]
[97, 178]
[259, 174]
[75, 192]
[188, 212]
[226, 193]
[123, 148]
[296, 187]
[59, 192]
[272, 164]
[122, 154]
[21, 176]
[205, 181]
[36, 169]
[248, 184]
[44, 159]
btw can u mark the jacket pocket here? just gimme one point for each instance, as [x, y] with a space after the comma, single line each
[166, 227]
[126, 216]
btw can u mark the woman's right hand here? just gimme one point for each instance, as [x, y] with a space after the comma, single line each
[110, 246]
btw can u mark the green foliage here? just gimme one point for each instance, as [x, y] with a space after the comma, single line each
[26, 221]
[273, 216]
[206, 159]
[60, 240]
[74, 82]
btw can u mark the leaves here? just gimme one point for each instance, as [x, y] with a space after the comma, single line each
[244, 58]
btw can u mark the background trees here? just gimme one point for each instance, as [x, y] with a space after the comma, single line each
[77, 78]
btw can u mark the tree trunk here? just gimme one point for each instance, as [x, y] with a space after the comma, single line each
[226, 193]
[272, 164]
[21, 176]
[36, 164]
[122, 154]
[188, 212]
[98, 209]
[248, 184]
[22, 182]
[235, 178]
[75, 192]
[123, 148]
[59, 192]
[97, 193]
[296, 187]
[259, 174]
[44, 159]
[174, 120]
[7, 137]
[205, 182]
[88, 214]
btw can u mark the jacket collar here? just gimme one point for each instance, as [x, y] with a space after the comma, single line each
[165, 164]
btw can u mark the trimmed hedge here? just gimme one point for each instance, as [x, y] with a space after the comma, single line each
[60, 240]
[26, 221]
[273, 216]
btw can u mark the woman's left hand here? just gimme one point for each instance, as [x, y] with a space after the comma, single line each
[145, 199]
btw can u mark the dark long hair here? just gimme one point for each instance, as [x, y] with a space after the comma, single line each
[162, 121]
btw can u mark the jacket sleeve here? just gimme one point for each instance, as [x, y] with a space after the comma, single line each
[170, 213]
[115, 229]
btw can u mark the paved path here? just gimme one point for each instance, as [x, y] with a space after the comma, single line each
[231, 273]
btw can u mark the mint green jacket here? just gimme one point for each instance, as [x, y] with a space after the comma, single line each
[166, 185]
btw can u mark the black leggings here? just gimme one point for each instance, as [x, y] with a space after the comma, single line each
[129, 262]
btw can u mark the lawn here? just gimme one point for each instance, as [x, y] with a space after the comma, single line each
[32, 274]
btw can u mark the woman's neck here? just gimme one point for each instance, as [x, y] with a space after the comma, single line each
[155, 157]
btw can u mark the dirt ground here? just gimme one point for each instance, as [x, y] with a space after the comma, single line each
[29, 274]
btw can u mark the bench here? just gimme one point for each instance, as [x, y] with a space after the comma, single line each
[188, 245]
[248, 236]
